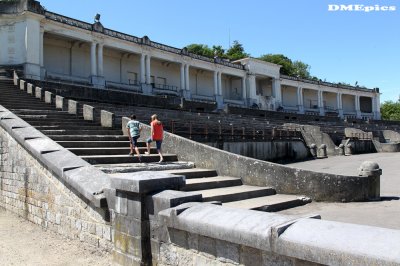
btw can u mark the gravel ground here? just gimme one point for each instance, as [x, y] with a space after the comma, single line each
[24, 243]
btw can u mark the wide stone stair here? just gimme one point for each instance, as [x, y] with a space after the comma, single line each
[108, 149]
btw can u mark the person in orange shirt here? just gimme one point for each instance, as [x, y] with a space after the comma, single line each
[157, 132]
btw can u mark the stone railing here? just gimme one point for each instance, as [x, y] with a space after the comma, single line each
[329, 84]
[130, 38]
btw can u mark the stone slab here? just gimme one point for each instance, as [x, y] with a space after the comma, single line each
[146, 181]
[335, 243]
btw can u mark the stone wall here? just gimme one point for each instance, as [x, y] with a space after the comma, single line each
[34, 190]
[190, 234]
[287, 180]
[274, 151]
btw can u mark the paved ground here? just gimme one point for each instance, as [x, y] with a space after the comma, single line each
[24, 243]
[384, 213]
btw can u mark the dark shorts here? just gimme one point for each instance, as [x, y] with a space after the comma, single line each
[134, 141]
[158, 143]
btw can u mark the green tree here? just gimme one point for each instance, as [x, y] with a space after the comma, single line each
[218, 51]
[279, 59]
[390, 110]
[200, 49]
[301, 70]
[236, 51]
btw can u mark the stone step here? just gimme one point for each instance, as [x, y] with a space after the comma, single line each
[44, 119]
[271, 203]
[108, 150]
[204, 183]
[27, 111]
[104, 131]
[88, 137]
[97, 144]
[194, 173]
[137, 167]
[76, 126]
[235, 193]
[63, 123]
[117, 159]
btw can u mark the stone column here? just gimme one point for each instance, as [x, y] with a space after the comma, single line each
[244, 89]
[41, 53]
[216, 83]
[148, 77]
[300, 102]
[377, 114]
[142, 69]
[321, 103]
[277, 92]
[100, 60]
[182, 78]
[187, 82]
[31, 45]
[357, 104]
[339, 104]
[219, 98]
[93, 69]
[133, 230]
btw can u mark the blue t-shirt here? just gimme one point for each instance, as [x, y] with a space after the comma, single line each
[134, 128]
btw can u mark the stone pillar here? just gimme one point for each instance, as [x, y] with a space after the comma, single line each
[244, 89]
[373, 172]
[93, 65]
[341, 150]
[41, 54]
[300, 102]
[357, 103]
[100, 60]
[377, 114]
[339, 104]
[277, 92]
[148, 76]
[216, 83]
[133, 208]
[142, 69]
[219, 98]
[321, 103]
[187, 92]
[182, 78]
[32, 45]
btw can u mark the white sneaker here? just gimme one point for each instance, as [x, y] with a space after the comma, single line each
[146, 152]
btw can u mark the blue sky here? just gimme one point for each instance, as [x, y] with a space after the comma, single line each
[339, 46]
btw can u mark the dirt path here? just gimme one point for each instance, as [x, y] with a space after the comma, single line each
[24, 243]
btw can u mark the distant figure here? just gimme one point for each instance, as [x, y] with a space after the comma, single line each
[134, 128]
[157, 132]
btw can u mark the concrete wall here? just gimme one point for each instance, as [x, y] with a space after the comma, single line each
[348, 103]
[47, 185]
[188, 236]
[310, 98]
[289, 96]
[391, 136]
[330, 100]
[201, 82]
[318, 186]
[274, 151]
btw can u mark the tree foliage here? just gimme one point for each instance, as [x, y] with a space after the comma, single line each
[290, 68]
[390, 110]
[236, 51]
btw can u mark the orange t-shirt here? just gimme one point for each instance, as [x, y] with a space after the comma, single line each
[157, 130]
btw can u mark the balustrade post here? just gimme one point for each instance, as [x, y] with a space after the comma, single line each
[243, 132]
[232, 131]
[190, 130]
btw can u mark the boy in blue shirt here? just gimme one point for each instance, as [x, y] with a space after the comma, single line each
[134, 128]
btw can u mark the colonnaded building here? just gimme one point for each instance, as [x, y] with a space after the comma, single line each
[51, 46]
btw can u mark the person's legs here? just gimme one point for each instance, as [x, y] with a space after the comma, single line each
[134, 144]
[149, 140]
[158, 144]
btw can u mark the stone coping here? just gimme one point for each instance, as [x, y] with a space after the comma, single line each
[74, 171]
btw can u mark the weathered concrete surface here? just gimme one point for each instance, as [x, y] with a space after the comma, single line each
[391, 136]
[384, 213]
[286, 180]
[107, 119]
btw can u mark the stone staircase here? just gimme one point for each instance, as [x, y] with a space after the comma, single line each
[108, 149]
